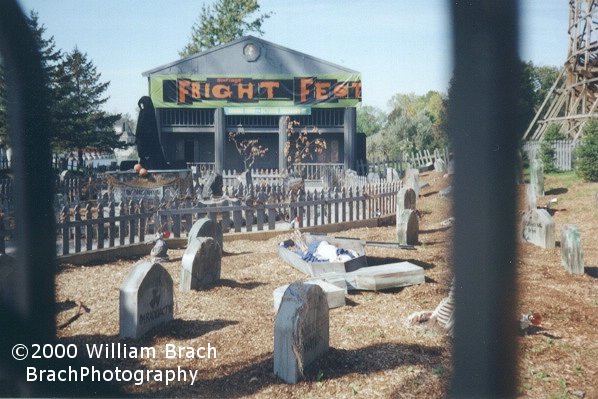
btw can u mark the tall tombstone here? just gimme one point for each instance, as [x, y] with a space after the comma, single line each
[407, 227]
[531, 197]
[440, 165]
[536, 176]
[412, 180]
[206, 227]
[538, 228]
[201, 264]
[571, 251]
[146, 300]
[301, 331]
[406, 199]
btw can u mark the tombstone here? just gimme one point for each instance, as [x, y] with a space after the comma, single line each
[335, 296]
[206, 227]
[531, 197]
[412, 180]
[406, 199]
[407, 227]
[8, 288]
[301, 331]
[392, 275]
[536, 176]
[440, 165]
[538, 228]
[571, 251]
[146, 300]
[201, 264]
[392, 174]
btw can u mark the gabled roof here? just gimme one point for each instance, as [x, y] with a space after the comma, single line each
[228, 59]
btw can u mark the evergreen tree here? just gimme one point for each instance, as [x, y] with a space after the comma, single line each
[82, 124]
[223, 22]
[587, 152]
[547, 152]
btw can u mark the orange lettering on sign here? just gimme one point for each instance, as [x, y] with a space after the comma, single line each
[195, 88]
[340, 90]
[183, 89]
[304, 89]
[357, 87]
[269, 86]
[322, 90]
[206, 90]
[245, 91]
[221, 91]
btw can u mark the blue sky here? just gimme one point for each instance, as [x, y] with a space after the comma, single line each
[399, 46]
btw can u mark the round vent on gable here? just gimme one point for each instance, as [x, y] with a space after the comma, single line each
[251, 52]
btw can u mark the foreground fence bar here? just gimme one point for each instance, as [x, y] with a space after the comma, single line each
[482, 120]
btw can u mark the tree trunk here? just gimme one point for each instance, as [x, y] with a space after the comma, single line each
[79, 158]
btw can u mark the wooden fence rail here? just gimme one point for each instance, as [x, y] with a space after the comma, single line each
[86, 228]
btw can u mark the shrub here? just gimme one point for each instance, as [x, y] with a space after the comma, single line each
[587, 152]
[547, 152]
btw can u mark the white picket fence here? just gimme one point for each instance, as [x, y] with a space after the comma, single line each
[564, 153]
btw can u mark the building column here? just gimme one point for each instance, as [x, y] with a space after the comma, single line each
[350, 137]
[282, 141]
[219, 139]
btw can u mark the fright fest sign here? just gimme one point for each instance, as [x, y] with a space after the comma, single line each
[208, 92]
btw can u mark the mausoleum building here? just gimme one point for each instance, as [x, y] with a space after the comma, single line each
[253, 86]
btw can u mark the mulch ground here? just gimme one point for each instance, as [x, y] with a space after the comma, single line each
[373, 352]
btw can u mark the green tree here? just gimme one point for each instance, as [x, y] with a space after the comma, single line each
[223, 22]
[370, 119]
[82, 124]
[50, 59]
[587, 152]
[547, 152]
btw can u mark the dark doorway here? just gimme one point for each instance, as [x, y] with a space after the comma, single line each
[189, 151]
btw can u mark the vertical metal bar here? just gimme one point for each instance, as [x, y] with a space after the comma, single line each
[483, 129]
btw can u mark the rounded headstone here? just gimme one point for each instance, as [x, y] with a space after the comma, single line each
[201, 264]
[571, 250]
[407, 227]
[301, 330]
[406, 199]
[206, 227]
[538, 228]
[146, 299]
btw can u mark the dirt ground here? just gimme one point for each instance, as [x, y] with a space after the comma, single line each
[373, 352]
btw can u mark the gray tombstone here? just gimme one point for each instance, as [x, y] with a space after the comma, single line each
[450, 168]
[440, 165]
[406, 199]
[412, 180]
[146, 300]
[301, 330]
[571, 251]
[407, 227]
[538, 228]
[8, 288]
[536, 176]
[531, 197]
[206, 227]
[201, 264]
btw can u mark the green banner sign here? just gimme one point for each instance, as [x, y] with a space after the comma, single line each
[192, 91]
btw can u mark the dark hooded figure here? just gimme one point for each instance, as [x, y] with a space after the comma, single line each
[147, 138]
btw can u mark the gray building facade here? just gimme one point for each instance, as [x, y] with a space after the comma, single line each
[253, 86]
